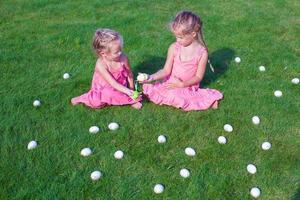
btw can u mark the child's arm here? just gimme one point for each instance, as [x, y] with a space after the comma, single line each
[109, 79]
[166, 71]
[130, 75]
[177, 83]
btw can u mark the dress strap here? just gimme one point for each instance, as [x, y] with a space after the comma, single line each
[200, 52]
[176, 49]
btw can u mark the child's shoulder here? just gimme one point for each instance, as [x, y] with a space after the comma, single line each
[100, 62]
[173, 47]
[202, 48]
[100, 65]
[202, 52]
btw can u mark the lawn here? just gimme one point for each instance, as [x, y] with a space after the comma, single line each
[41, 40]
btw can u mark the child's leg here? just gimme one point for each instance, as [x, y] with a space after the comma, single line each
[137, 105]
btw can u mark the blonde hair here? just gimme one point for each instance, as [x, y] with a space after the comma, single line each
[188, 22]
[103, 37]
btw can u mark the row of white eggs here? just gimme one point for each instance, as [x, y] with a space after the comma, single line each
[159, 188]
[111, 126]
[277, 93]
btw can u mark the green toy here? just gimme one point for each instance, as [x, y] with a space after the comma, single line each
[136, 93]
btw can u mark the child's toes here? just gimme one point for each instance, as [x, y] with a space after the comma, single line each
[137, 105]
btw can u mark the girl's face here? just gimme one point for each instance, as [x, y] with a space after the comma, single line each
[184, 39]
[114, 52]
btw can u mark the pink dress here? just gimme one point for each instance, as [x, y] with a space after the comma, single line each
[102, 93]
[188, 98]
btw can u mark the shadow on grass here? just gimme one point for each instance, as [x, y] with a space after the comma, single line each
[220, 60]
[297, 195]
[151, 65]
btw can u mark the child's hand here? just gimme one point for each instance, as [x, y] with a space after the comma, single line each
[176, 83]
[135, 95]
[132, 94]
[144, 78]
[129, 92]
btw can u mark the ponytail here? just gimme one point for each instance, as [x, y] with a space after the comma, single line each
[202, 42]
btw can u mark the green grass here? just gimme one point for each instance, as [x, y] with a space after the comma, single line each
[40, 40]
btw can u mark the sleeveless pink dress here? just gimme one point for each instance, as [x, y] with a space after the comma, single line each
[102, 93]
[188, 98]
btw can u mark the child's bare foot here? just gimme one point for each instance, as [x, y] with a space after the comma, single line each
[137, 105]
[215, 105]
[73, 102]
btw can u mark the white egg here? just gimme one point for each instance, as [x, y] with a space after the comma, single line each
[255, 120]
[278, 93]
[96, 175]
[266, 145]
[94, 129]
[118, 154]
[190, 151]
[86, 152]
[113, 126]
[255, 192]
[228, 128]
[158, 188]
[36, 103]
[66, 76]
[295, 81]
[262, 68]
[32, 145]
[222, 140]
[237, 59]
[184, 173]
[161, 139]
[142, 77]
[251, 169]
